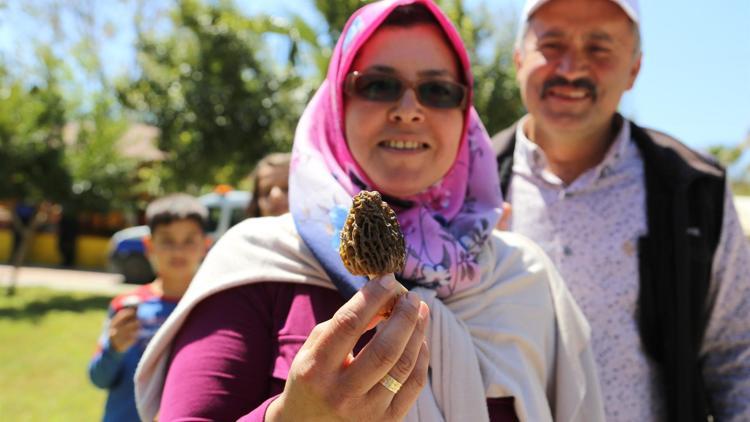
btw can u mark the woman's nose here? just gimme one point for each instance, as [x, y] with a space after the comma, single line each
[407, 109]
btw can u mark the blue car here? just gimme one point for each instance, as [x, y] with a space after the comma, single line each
[127, 254]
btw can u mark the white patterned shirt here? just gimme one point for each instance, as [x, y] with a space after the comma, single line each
[590, 229]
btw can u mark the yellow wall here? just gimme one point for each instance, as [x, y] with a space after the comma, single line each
[44, 250]
[91, 251]
[6, 244]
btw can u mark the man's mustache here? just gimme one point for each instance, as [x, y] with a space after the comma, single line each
[555, 81]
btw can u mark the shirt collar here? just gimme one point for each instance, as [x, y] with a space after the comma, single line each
[529, 158]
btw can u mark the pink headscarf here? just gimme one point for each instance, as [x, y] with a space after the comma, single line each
[445, 226]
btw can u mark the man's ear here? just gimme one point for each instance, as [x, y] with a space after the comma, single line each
[634, 70]
[209, 242]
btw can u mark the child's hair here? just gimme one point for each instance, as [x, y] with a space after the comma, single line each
[177, 206]
[275, 159]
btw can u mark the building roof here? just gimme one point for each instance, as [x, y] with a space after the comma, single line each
[139, 141]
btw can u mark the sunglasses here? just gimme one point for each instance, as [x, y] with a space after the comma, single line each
[385, 88]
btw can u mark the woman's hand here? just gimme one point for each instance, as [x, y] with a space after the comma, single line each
[326, 383]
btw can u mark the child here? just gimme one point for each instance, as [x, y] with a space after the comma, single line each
[176, 247]
[271, 186]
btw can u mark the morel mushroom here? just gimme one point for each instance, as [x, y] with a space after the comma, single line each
[371, 241]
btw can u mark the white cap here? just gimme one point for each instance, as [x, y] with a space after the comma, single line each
[630, 7]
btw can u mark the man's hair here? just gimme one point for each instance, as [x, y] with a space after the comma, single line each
[174, 207]
[275, 159]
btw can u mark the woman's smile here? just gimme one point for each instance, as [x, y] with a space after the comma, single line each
[403, 146]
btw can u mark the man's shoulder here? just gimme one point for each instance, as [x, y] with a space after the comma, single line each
[658, 145]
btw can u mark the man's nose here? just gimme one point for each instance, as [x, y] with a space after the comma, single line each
[573, 64]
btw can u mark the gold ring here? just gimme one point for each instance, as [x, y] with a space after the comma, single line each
[390, 383]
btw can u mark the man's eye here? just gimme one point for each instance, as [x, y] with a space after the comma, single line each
[551, 46]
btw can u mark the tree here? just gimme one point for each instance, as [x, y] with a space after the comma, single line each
[102, 179]
[731, 157]
[216, 94]
[31, 151]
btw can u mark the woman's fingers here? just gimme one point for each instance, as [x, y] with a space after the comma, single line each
[331, 342]
[409, 392]
[387, 348]
[408, 360]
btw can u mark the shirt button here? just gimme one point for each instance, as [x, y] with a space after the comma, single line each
[567, 251]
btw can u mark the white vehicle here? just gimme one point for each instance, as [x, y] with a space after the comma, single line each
[127, 252]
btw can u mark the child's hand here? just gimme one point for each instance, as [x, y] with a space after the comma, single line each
[123, 329]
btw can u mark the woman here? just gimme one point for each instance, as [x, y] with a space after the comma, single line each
[270, 186]
[267, 330]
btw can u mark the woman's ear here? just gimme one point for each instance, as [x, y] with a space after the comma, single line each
[209, 242]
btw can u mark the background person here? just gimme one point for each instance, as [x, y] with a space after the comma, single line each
[270, 186]
[176, 246]
[268, 327]
[642, 229]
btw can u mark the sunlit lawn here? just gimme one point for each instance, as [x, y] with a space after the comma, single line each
[46, 340]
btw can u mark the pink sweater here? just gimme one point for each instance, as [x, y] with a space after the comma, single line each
[232, 356]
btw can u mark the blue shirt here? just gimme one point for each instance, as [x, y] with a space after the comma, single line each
[114, 370]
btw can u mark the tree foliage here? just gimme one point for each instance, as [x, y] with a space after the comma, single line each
[496, 95]
[734, 158]
[102, 179]
[31, 147]
[217, 96]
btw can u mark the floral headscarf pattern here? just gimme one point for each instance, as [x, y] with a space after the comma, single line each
[445, 226]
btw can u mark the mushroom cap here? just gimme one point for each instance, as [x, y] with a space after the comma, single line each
[371, 240]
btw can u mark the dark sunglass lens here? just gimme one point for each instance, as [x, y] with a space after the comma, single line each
[441, 94]
[378, 87]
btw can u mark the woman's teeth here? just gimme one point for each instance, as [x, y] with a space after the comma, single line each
[403, 144]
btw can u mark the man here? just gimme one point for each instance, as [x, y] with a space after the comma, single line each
[642, 229]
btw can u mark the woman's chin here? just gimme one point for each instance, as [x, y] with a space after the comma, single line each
[400, 190]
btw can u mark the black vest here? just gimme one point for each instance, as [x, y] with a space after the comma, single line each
[684, 208]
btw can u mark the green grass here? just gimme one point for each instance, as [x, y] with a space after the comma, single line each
[46, 340]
